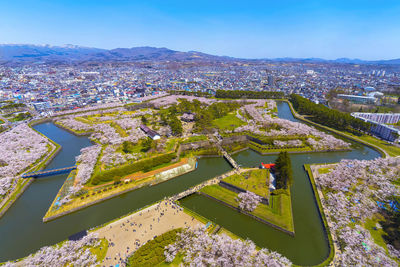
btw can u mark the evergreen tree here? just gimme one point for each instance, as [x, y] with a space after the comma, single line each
[283, 169]
[143, 119]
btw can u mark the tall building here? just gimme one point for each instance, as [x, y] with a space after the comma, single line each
[271, 80]
[386, 118]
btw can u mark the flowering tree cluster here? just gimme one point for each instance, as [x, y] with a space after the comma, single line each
[173, 99]
[70, 253]
[282, 127]
[353, 188]
[7, 184]
[112, 158]
[201, 249]
[271, 104]
[105, 134]
[128, 123]
[73, 124]
[360, 249]
[248, 201]
[290, 143]
[86, 162]
[20, 148]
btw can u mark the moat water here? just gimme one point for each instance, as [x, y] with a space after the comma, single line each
[23, 232]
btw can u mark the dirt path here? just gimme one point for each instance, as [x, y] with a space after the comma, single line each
[128, 234]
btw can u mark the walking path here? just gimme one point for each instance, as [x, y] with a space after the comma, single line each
[129, 233]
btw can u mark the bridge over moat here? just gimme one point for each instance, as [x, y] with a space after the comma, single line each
[50, 172]
[217, 141]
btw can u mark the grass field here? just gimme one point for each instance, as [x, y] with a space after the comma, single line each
[228, 122]
[376, 233]
[170, 144]
[256, 181]
[228, 233]
[392, 150]
[279, 212]
[324, 170]
[101, 250]
[195, 138]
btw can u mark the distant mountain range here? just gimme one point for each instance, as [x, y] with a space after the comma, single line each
[75, 54]
[339, 60]
[24, 53]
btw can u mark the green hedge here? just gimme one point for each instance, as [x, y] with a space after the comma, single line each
[152, 253]
[143, 165]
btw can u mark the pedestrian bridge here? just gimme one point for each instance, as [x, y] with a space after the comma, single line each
[50, 172]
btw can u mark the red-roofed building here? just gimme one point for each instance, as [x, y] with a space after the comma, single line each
[268, 165]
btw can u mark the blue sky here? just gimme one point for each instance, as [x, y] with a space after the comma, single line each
[247, 28]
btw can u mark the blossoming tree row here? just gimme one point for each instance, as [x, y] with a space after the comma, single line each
[282, 127]
[70, 253]
[20, 148]
[202, 249]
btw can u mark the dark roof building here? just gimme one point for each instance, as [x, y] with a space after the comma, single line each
[150, 133]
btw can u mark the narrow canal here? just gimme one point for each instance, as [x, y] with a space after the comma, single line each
[22, 230]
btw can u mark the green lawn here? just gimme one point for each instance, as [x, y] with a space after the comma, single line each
[256, 181]
[228, 122]
[376, 234]
[279, 212]
[195, 138]
[228, 233]
[170, 144]
[324, 170]
[221, 193]
[119, 130]
[195, 215]
[81, 119]
[101, 250]
[135, 148]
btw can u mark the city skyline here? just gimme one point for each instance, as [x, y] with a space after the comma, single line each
[368, 30]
